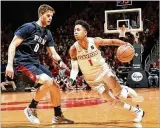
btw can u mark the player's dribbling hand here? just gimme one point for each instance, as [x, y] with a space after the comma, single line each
[9, 71]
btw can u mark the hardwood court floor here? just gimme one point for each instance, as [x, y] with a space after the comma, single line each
[85, 108]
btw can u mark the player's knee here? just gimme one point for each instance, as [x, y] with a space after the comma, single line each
[45, 80]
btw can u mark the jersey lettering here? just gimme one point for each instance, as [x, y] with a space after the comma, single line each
[87, 56]
[39, 39]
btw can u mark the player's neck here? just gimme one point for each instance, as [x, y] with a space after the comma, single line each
[40, 23]
[83, 43]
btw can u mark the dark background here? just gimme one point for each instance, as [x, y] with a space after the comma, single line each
[19, 12]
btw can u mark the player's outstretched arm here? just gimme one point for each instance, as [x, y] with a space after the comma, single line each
[110, 42]
[55, 56]
[74, 64]
[11, 53]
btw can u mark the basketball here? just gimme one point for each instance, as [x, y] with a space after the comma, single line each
[125, 53]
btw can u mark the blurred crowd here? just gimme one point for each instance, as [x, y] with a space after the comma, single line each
[63, 37]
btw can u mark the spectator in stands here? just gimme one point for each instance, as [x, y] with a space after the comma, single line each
[158, 63]
[153, 75]
[8, 83]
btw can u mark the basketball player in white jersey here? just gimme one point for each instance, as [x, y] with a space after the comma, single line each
[85, 54]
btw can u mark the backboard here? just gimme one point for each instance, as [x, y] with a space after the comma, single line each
[131, 18]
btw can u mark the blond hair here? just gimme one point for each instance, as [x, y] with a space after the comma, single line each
[44, 8]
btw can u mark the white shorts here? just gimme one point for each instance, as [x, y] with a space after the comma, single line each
[100, 77]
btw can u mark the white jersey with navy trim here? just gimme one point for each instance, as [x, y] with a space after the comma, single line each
[90, 61]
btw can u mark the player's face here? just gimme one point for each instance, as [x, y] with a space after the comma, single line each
[154, 64]
[46, 18]
[79, 32]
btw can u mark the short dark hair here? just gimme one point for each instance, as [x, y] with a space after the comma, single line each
[83, 23]
[44, 8]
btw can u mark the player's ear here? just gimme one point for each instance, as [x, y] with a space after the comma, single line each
[40, 14]
[85, 33]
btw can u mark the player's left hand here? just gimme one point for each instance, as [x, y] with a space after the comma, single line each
[63, 65]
